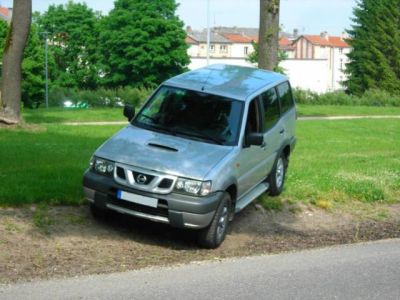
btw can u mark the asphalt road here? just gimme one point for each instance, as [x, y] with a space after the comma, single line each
[362, 271]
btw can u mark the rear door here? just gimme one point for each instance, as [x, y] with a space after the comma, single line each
[288, 109]
[273, 127]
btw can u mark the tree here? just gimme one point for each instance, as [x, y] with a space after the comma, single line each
[10, 103]
[253, 58]
[143, 43]
[374, 62]
[33, 70]
[72, 32]
[269, 34]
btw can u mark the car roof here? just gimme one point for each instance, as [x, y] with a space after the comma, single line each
[235, 82]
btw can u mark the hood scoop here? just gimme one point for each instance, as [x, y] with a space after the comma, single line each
[162, 147]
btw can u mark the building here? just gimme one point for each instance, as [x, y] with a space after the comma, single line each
[5, 13]
[315, 62]
[333, 49]
[231, 44]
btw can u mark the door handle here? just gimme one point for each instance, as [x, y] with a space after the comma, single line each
[282, 131]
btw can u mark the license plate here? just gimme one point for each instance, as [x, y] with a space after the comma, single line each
[152, 202]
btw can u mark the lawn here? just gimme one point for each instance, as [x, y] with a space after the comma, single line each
[342, 110]
[46, 163]
[58, 115]
[334, 162]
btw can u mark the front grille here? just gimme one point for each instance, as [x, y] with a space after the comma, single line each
[165, 183]
[161, 210]
[142, 178]
[121, 173]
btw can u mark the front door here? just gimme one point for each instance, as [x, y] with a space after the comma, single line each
[251, 160]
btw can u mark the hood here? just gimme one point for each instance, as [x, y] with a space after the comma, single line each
[163, 153]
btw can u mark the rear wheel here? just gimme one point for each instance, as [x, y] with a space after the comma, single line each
[276, 179]
[212, 236]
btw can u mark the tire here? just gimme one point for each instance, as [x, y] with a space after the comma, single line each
[97, 212]
[276, 178]
[212, 236]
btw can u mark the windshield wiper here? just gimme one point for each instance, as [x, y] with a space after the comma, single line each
[200, 134]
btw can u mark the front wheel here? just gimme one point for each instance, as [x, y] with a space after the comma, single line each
[212, 236]
[276, 179]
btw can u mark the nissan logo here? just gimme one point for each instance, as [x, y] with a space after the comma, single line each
[141, 179]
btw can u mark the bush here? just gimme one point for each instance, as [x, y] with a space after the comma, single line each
[369, 98]
[100, 97]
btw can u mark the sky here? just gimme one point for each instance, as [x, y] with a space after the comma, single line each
[309, 16]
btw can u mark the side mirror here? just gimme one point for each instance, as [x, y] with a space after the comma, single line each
[129, 112]
[254, 139]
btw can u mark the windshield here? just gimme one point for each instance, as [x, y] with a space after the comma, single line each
[210, 118]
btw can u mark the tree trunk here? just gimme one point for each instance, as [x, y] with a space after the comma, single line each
[269, 34]
[10, 100]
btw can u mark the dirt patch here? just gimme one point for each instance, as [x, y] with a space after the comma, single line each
[67, 241]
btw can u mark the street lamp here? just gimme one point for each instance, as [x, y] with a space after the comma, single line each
[208, 32]
[46, 46]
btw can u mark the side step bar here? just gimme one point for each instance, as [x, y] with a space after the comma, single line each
[250, 196]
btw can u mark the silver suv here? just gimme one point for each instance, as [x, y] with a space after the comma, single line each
[205, 145]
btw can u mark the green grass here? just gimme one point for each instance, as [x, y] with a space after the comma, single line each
[58, 115]
[334, 163]
[341, 161]
[341, 110]
[46, 165]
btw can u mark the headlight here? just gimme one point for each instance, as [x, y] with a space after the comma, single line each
[194, 187]
[102, 166]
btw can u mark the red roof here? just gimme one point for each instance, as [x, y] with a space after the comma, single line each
[238, 38]
[190, 40]
[330, 41]
[4, 11]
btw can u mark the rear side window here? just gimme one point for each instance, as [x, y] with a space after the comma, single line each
[286, 97]
[271, 108]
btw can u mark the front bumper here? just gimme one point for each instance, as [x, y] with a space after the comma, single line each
[182, 211]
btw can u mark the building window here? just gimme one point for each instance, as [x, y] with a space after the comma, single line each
[246, 50]
[223, 49]
[341, 50]
[212, 48]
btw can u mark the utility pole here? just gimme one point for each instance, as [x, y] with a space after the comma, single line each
[46, 46]
[208, 32]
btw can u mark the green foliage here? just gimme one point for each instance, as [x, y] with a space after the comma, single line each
[100, 97]
[33, 70]
[372, 97]
[142, 43]
[253, 57]
[73, 32]
[375, 41]
[3, 35]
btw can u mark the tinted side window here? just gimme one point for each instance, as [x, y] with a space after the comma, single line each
[271, 108]
[285, 95]
[253, 119]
